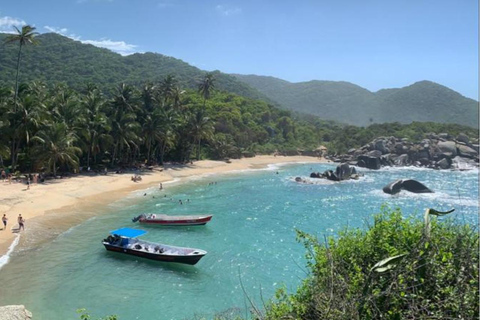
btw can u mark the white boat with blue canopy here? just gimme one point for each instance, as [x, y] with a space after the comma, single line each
[124, 240]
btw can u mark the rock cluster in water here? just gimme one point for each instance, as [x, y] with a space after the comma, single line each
[343, 172]
[15, 312]
[438, 151]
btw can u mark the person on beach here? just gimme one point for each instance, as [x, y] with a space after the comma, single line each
[21, 222]
[4, 220]
[160, 186]
[28, 183]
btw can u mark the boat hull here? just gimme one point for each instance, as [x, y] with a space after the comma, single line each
[176, 222]
[187, 259]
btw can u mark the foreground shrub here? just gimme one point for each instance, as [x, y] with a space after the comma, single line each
[434, 273]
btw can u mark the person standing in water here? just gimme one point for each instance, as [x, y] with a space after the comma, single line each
[21, 222]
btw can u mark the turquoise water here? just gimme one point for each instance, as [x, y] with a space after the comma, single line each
[250, 242]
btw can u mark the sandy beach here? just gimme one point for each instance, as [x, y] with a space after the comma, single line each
[54, 199]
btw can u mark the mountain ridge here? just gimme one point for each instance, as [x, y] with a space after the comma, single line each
[352, 104]
[61, 59]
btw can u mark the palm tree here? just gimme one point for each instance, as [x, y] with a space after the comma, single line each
[56, 146]
[201, 127]
[95, 122]
[167, 87]
[206, 87]
[23, 37]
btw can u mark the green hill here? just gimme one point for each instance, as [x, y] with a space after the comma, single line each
[345, 102]
[58, 58]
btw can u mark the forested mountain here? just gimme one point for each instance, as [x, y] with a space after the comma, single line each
[348, 103]
[60, 59]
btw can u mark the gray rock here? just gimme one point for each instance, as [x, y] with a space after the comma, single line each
[380, 145]
[15, 312]
[315, 175]
[448, 148]
[402, 160]
[462, 137]
[445, 136]
[369, 162]
[466, 151]
[444, 163]
[374, 154]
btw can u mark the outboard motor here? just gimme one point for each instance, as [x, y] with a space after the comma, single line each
[135, 219]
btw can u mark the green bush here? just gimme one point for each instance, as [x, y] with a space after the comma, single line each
[437, 278]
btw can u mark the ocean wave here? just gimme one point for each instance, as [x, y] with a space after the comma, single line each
[440, 197]
[6, 257]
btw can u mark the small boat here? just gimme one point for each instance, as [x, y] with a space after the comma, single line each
[166, 220]
[125, 241]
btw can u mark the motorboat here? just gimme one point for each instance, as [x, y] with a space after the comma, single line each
[167, 220]
[125, 241]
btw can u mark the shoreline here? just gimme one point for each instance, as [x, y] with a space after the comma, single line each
[57, 203]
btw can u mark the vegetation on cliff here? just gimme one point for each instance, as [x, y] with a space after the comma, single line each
[399, 268]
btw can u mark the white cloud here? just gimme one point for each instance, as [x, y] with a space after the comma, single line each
[227, 10]
[7, 24]
[117, 46]
[120, 47]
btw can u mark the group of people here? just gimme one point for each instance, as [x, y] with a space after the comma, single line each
[6, 175]
[136, 178]
[20, 220]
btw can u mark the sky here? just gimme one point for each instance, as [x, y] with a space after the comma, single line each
[374, 44]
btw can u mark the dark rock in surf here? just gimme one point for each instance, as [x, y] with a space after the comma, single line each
[408, 185]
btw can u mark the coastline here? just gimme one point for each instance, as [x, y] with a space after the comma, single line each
[58, 202]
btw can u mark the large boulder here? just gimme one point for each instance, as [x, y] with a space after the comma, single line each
[381, 146]
[448, 148]
[374, 153]
[402, 160]
[445, 163]
[315, 175]
[15, 312]
[462, 137]
[466, 151]
[408, 184]
[369, 162]
[342, 172]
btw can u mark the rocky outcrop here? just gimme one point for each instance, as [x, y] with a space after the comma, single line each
[409, 185]
[437, 151]
[16, 312]
[342, 172]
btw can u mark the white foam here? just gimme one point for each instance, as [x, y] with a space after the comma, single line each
[6, 257]
[440, 197]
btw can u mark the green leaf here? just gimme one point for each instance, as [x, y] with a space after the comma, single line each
[388, 263]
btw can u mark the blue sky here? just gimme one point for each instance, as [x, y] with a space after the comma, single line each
[374, 44]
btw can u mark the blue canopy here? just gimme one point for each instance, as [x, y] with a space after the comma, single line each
[128, 232]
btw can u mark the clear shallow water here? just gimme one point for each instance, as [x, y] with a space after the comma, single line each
[251, 237]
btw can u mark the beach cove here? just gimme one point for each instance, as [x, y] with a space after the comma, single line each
[250, 241]
[52, 201]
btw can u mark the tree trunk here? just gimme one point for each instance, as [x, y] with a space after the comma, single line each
[198, 149]
[114, 153]
[16, 78]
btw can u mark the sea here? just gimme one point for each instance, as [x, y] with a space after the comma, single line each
[251, 242]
